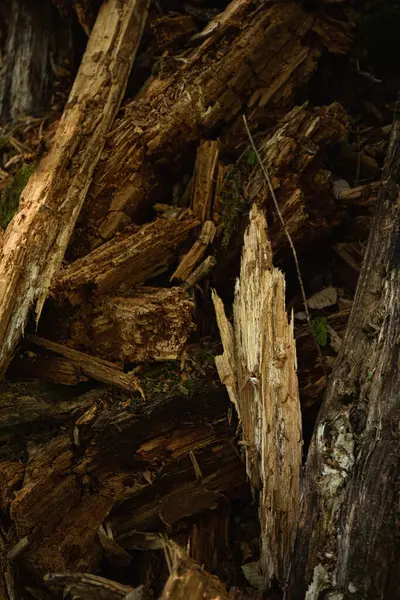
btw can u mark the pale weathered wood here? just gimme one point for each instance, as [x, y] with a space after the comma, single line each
[348, 540]
[188, 580]
[259, 369]
[38, 236]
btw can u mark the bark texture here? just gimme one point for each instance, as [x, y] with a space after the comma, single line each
[348, 539]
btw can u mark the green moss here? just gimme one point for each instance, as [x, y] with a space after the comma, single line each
[9, 198]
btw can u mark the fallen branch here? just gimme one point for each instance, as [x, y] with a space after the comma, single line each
[38, 236]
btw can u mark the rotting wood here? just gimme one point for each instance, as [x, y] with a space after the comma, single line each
[101, 370]
[164, 122]
[22, 403]
[188, 580]
[128, 259]
[92, 587]
[38, 236]
[348, 538]
[196, 253]
[45, 367]
[294, 153]
[71, 483]
[153, 324]
[258, 368]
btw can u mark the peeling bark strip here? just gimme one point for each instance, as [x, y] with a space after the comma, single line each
[271, 53]
[37, 237]
[348, 541]
[258, 368]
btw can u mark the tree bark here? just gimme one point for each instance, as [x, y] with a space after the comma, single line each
[38, 236]
[348, 538]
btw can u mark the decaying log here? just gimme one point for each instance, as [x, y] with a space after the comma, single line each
[38, 236]
[101, 370]
[258, 368]
[348, 539]
[153, 324]
[108, 458]
[162, 125]
[294, 155]
[129, 259]
[188, 580]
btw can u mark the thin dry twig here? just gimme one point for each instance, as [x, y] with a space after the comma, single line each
[264, 170]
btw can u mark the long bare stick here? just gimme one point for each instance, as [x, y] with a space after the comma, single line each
[264, 170]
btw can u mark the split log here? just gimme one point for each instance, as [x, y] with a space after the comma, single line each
[163, 124]
[258, 368]
[348, 539]
[38, 236]
[129, 259]
[188, 580]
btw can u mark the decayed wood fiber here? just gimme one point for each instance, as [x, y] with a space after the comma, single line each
[258, 367]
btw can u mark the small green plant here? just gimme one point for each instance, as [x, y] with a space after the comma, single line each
[251, 158]
[9, 198]
[320, 330]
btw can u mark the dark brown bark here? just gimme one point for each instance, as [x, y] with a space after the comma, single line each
[348, 538]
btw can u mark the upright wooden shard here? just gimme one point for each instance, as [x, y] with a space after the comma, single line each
[258, 368]
[38, 236]
[188, 580]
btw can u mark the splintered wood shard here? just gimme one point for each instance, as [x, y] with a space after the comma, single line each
[258, 367]
[188, 580]
[38, 236]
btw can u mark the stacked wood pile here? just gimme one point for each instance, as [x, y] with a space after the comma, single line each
[159, 373]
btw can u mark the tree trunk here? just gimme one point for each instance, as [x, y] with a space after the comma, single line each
[348, 538]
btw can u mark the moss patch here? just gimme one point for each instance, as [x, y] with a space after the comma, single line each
[9, 198]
